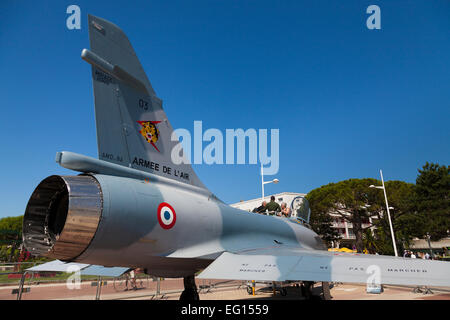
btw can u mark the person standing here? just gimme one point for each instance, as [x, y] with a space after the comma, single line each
[273, 206]
[285, 211]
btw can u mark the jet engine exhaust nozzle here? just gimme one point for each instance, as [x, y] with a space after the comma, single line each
[62, 216]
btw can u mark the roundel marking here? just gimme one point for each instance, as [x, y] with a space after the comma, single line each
[166, 215]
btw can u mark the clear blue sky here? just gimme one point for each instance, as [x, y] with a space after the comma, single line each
[347, 100]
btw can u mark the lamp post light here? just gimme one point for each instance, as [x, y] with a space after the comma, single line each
[429, 245]
[265, 182]
[387, 208]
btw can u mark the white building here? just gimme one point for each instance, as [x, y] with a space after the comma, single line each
[300, 208]
[345, 229]
[295, 201]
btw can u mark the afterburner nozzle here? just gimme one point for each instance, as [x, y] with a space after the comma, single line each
[62, 216]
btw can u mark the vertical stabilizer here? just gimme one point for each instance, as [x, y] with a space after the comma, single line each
[132, 127]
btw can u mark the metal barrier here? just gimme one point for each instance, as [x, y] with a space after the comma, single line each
[30, 281]
[99, 283]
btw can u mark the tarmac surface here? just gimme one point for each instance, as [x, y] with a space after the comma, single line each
[170, 289]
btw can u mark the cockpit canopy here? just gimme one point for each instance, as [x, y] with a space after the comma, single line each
[300, 208]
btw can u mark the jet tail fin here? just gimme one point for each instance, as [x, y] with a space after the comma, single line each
[132, 127]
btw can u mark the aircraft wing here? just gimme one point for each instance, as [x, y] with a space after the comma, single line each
[294, 264]
[85, 269]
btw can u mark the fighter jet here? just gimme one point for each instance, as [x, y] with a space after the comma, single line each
[134, 208]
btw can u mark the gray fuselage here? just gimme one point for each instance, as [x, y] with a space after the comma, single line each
[130, 235]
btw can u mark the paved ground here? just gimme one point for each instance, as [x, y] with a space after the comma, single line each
[358, 292]
[224, 290]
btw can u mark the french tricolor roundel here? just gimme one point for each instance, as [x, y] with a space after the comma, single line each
[166, 215]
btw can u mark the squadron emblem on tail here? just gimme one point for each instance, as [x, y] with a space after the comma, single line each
[150, 132]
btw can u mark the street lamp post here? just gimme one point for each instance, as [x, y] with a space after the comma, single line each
[429, 245]
[387, 208]
[265, 182]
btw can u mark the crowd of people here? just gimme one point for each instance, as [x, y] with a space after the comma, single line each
[420, 255]
[273, 208]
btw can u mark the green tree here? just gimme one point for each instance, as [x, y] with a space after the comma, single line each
[404, 216]
[322, 223]
[433, 200]
[10, 237]
[371, 242]
[352, 200]
[12, 224]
